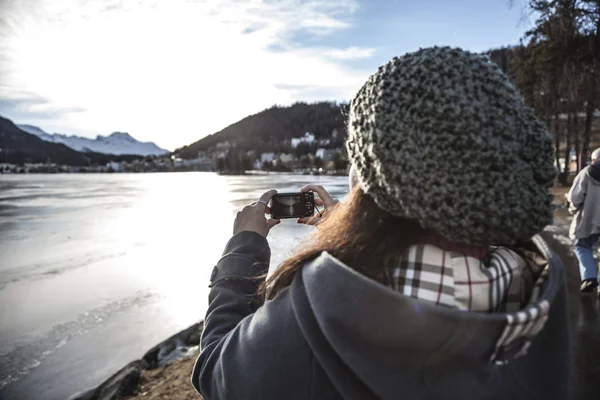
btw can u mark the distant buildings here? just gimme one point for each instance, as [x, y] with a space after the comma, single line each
[307, 138]
[6, 168]
[194, 164]
[326, 154]
[287, 158]
[224, 145]
[267, 157]
[114, 166]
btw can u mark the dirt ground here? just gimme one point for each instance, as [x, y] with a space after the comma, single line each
[559, 200]
[171, 382]
[559, 193]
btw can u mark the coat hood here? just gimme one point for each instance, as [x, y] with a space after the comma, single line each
[369, 336]
[594, 171]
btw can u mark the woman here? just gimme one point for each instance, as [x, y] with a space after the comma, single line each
[429, 281]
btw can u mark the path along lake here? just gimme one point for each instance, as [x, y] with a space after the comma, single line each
[95, 269]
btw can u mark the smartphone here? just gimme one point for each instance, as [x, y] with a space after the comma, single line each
[293, 205]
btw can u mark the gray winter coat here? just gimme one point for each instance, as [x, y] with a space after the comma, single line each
[584, 197]
[335, 334]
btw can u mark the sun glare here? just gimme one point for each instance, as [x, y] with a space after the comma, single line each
[173, 71]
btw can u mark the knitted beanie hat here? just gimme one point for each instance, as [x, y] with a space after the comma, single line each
[441, 136]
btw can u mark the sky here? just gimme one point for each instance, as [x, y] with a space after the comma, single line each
[173, 71]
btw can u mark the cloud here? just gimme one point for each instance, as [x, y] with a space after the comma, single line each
[32, 105]
[319, 93]
[352, 53]
[170, 71]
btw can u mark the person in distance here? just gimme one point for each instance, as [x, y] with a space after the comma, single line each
[429, 281]
[584, 197]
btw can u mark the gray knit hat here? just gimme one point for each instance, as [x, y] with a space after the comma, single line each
[441, 136]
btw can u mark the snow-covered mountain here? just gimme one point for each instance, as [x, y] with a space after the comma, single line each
[116, 143]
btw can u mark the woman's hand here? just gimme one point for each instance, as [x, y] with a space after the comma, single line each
[252, 217]
[324, 200]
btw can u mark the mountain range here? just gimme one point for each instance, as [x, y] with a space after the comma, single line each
[19, 147]
[117, 143]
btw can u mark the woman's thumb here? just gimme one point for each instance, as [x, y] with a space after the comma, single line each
[272, 222]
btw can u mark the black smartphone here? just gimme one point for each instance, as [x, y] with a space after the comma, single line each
[293, 205]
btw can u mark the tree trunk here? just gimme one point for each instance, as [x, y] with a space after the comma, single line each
[557, 138]
[569, 130]
[573, 124]
[564, 178]
[577, 139]
[587, 131]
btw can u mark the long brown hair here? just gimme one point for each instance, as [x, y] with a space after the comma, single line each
[359, 234]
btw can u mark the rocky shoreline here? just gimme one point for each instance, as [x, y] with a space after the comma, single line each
[170, 382]
[127, 381]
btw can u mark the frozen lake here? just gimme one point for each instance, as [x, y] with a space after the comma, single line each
[96, 269]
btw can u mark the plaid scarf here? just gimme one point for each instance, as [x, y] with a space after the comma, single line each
[505, 280]
[502, 283]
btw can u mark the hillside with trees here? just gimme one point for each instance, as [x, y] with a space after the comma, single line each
[272, 130]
